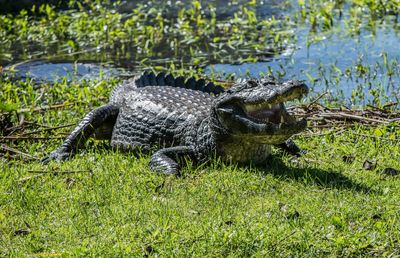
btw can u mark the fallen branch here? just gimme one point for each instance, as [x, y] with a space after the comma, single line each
[314, 134]
[28, 138]
[344, 116]
[18, 152]
[322, 117]
[23, 180]
[47, 129]
[59, 172]
[44, 108]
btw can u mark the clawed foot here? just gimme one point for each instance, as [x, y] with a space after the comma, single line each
[165, 161]
[164, 165]
[290, 147]
[302, 152]
[57, 156]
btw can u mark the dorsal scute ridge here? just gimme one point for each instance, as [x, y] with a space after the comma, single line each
[163, 79]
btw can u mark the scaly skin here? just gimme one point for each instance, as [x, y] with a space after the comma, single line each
[172, 118]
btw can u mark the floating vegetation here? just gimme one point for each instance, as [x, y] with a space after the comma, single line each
[49, 72]
[149, 34]
[323, 15]
[354, 63]
[345, 48]
[339, 199]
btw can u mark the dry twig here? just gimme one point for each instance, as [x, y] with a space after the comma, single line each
[59, 172]
[17, 152]
[47, 129]
[28, 138]
[323, 117]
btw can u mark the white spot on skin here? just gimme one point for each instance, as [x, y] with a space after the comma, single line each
[145, 104]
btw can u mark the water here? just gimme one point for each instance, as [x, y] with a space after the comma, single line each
[224, 8]
[352, 68]
[328, 60]
[48, 72]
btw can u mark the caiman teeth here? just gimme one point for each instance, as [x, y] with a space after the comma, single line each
[265, 113]
[255, 107]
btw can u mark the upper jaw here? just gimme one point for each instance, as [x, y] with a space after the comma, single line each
[272, 110]
[271, 119]
[261, 111]
[268, 113]
[260, 120]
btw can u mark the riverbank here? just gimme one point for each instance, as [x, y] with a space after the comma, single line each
[340, 199]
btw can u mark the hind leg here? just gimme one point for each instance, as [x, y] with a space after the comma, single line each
[92, 121]
[166, 160]
[290, 147]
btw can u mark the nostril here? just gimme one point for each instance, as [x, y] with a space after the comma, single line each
[252, 83]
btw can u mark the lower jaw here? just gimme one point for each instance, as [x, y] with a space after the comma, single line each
[275, 134]
[274, 120]
[264, 139]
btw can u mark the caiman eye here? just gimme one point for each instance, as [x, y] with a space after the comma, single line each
[252, 83]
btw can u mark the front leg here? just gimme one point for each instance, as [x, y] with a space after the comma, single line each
[83, 131]
[290, 147]
[166, 160]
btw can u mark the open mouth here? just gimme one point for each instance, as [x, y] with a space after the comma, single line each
[261, 112]
[265, 113]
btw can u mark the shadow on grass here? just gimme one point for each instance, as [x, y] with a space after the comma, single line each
[276, 167]
[313, 176]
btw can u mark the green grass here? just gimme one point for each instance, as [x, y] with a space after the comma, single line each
[316, 205]
[112, 204]
[105, 203]
[149, 34]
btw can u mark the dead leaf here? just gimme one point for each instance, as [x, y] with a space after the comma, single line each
[369, 165]
[390, 171]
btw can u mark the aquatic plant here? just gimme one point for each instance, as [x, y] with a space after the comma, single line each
[194, 35]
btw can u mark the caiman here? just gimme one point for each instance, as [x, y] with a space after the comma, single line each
[174, 118]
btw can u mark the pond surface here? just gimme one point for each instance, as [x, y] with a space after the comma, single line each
[368, 59]
[353, 68]
[47, 72]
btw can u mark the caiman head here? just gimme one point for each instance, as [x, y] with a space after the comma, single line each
[255, 110]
